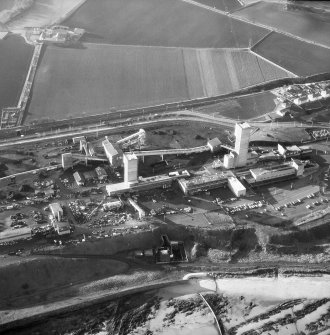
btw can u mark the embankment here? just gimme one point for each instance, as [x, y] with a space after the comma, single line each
[313, 241]
[33, 275]
[29, 319]
[233, 238]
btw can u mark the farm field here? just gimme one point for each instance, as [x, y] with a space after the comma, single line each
[91, 80]
[79, 82]
[161, 23]
[15, 58]
[296, 22]
[299, 57]
[225, 5]
[225, 71]
[243, 108]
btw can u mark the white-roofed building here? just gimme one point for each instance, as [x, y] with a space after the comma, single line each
[236, 187]
[113, 153]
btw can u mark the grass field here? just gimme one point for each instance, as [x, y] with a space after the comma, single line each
[303, 59]
[72, 82]
[162, 23]
[224, 71]
[78, 82]
[15, 58]
[307, 25]
[243, 108]
[225, 5]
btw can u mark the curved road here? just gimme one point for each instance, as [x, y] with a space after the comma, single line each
[186, 115]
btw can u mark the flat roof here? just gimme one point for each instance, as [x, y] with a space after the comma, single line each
[244, 125]
[200, 180]
[144, 182]
[236, 183]
[100, 171]
[305, 147]
[292, 148]
[62, 224]
[130, 156]
[78, 176]
[260, 171]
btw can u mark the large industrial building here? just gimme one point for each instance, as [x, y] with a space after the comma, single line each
[236, 187]
[242, 134]
[61, 227]
[130, 168]
[275, 173]
[205, 182]
[240, 156]
[113, 153]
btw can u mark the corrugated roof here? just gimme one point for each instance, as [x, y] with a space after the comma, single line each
[77, 176]
[214, 142]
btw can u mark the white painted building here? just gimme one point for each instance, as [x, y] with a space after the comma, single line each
[236, 187]
[130, 168]
[242, 134]
[56, 210]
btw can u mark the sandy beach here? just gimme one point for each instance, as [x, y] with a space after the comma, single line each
[44, 12]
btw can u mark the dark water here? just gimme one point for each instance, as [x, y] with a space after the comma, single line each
[15, 57]
[161, 23]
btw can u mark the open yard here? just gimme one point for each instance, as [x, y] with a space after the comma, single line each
[162, 23]
[303, 59]
[311, 26]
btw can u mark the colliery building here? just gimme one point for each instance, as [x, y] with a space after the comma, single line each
[271, 174]
[113, 153]
[205, 182]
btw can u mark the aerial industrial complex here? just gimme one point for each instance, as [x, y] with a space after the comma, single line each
[254, 169]
[153, 154]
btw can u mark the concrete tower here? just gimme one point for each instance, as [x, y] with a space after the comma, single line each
[130, 168]
[242, 134]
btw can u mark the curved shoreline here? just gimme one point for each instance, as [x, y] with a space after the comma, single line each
[33, 315]
[78, 303]
[15, 11]
[37, 16]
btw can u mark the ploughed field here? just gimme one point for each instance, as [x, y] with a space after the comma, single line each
[15, 58]
[162, 23]
[73, 82]
[301, 23]
[301, 58]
